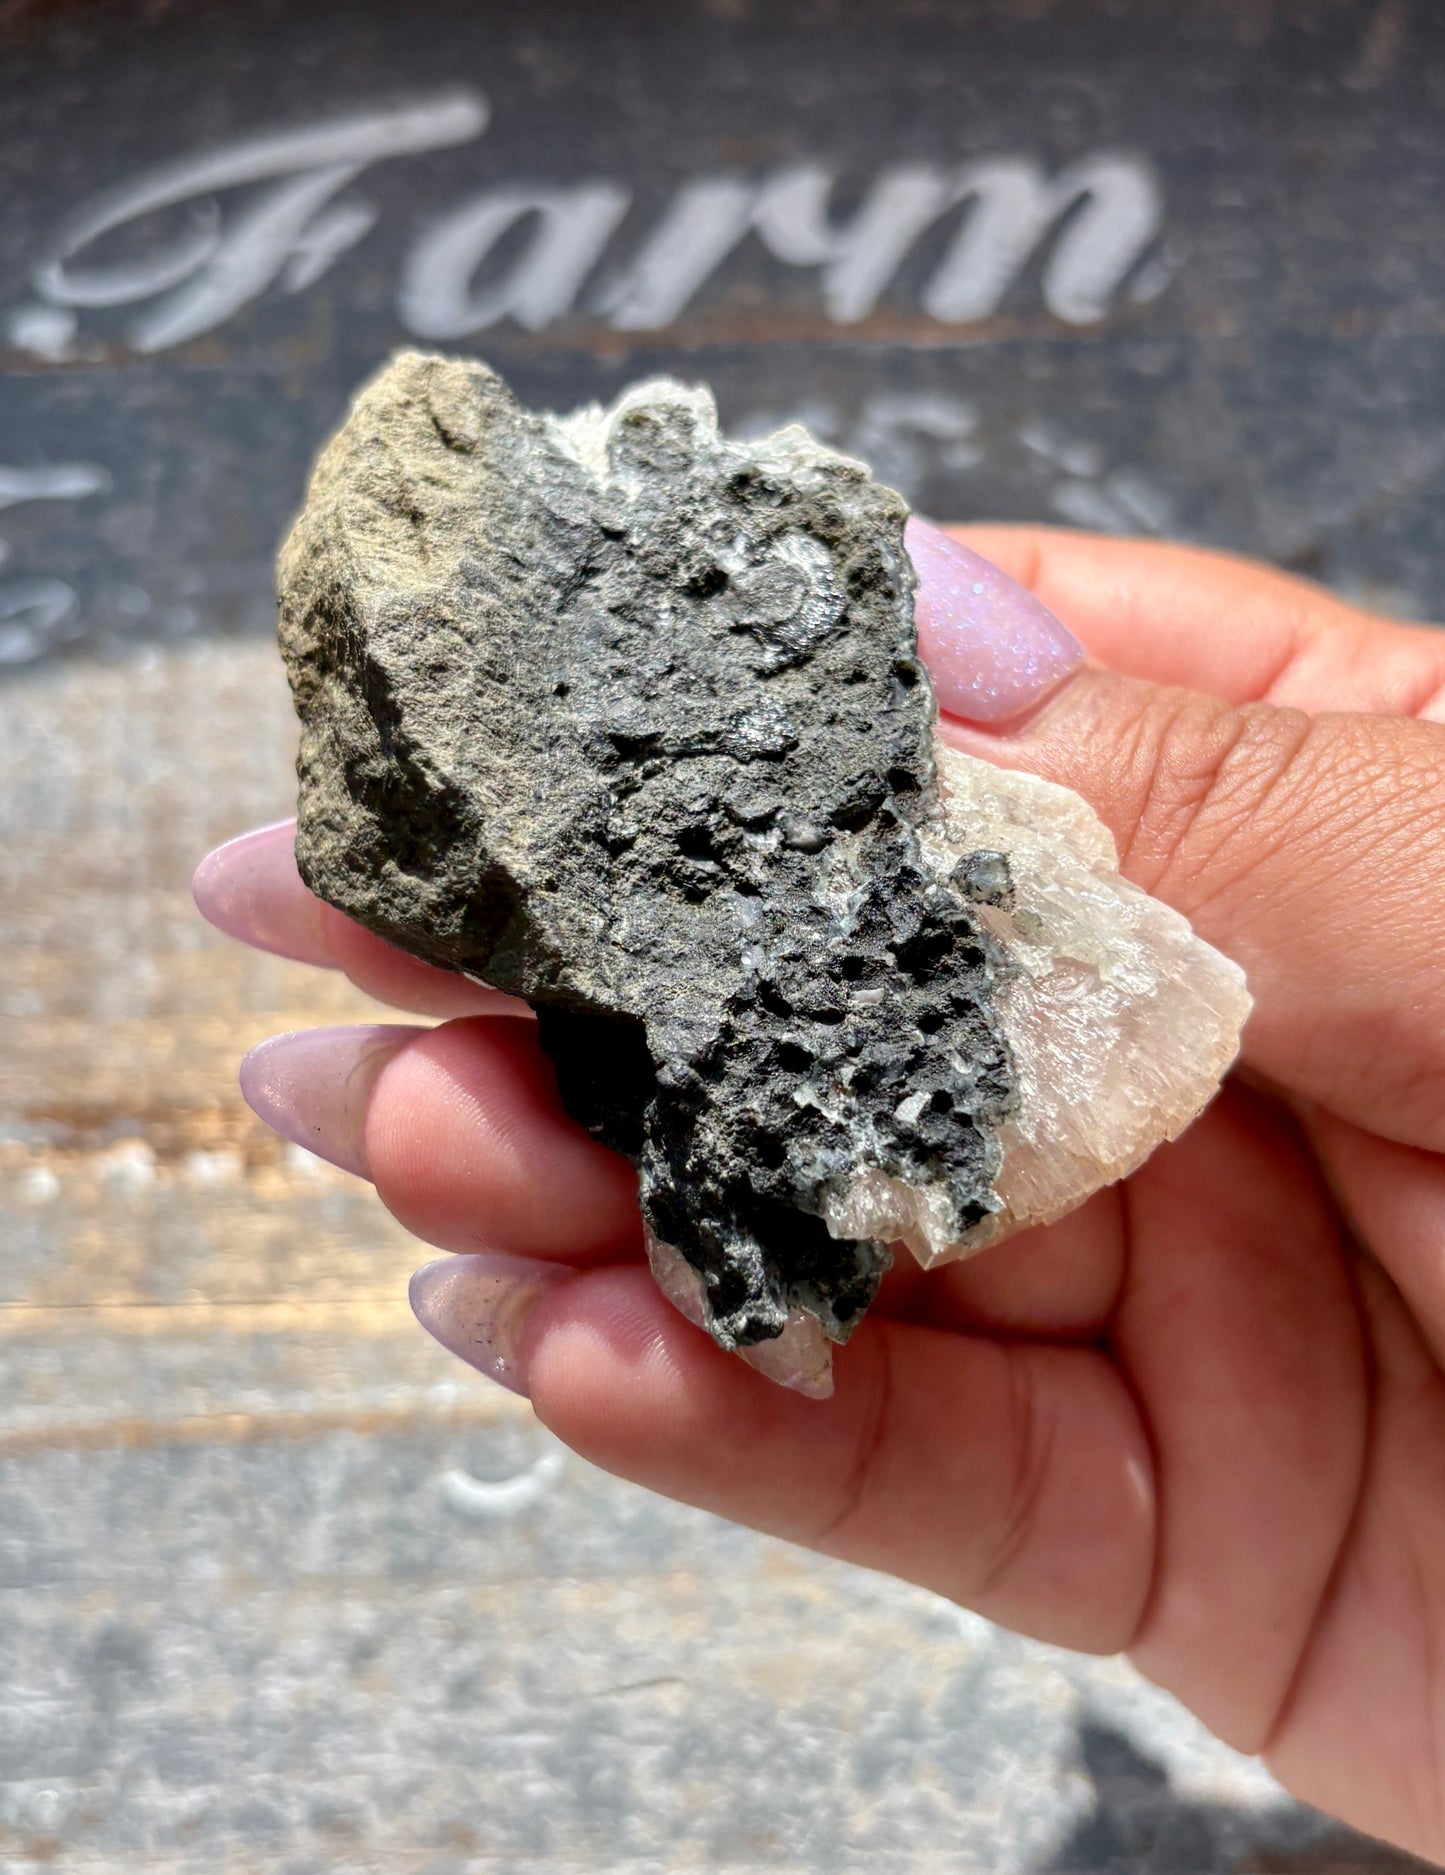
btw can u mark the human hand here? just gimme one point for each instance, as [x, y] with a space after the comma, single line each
[1203, 1418]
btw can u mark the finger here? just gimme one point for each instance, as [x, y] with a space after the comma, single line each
[1308, 849]
[468, 1144]
[462, 1132]
[470, 1148]
[1375, 1641]
[1056, 1282]
[459, 1128]
[1395, 1197]
[1013, 1478]
[250, 889]
[312, 1086]
[1238, 1328]
[381, 970]
[1237, 629]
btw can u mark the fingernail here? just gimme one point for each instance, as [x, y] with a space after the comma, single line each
[250, 889]
[313, 1085]
[991, 649]
[477, 1307]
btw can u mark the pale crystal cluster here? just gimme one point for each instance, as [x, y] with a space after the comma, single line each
[1120, 1021]
[801, 1357]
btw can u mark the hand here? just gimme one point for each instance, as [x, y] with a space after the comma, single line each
[1203, 1418]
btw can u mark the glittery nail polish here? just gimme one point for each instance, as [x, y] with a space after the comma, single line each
[992, 650]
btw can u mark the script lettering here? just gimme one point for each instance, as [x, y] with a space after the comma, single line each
[704, 224]
[1013, 205]
[858, 261]
[526, 251]
[216, 267]
[573, 226]
[1103, 213]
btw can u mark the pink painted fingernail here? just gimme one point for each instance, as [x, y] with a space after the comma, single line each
[312, 1086]
[250, 889]
[991, 649]
[477, 1307]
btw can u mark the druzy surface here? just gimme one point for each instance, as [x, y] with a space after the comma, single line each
[626, 718]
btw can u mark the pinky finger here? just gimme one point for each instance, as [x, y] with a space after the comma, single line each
[1014, 1478]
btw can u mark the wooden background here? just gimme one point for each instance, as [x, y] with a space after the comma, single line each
[281, 1587]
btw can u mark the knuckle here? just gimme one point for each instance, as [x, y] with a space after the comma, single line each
[860, 1481]
[1213, 783]
[397, 1113]
[1228, 804]
[1029, 1446]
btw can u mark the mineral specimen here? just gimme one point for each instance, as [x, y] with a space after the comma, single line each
[626, 718]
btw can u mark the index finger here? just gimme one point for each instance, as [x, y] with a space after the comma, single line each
[250, 889]
[1235, 628]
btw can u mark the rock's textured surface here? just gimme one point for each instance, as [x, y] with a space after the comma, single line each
[1120, 1022]
[627, 719]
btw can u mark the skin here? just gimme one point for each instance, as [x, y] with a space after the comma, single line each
[1201, 1420]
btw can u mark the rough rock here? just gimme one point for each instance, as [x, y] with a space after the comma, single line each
[626, 718]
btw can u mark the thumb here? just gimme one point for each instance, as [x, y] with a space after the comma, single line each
[1308, 847]
[1311, 849]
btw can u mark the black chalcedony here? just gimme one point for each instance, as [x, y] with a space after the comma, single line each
[652, 750]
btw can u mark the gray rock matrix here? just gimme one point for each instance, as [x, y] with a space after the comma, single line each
[627, 719]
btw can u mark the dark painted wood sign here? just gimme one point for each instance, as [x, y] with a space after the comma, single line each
[1160, 270]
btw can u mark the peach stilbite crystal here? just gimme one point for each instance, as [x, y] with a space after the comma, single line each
[1121, 1022]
